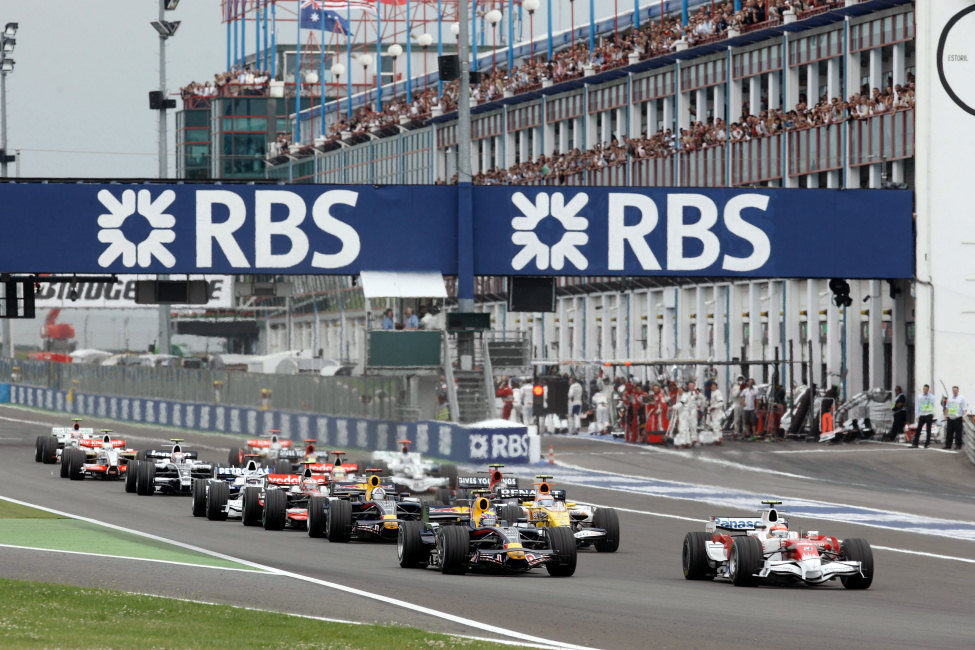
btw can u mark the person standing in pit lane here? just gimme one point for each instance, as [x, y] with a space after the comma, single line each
[955, 409]
[924, 412]
[899, 408]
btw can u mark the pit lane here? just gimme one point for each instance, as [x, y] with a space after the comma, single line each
[634, 598]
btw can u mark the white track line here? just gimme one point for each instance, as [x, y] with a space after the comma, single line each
[481, 625]
[665, 515]
[129, 557]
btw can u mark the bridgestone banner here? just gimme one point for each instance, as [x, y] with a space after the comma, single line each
[104, 295]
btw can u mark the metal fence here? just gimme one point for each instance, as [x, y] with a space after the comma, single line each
[373, 397]
[969, 439]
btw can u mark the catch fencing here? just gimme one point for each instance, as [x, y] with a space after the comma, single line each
[377, 397]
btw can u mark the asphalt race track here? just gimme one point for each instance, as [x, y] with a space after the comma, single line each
[921, 595]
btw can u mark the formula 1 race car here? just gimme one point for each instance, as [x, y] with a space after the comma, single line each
[410, 472]
[462, 539]
[222, 497]
[169, 471]
[105, 458]
[284, 502]
[543, 507]
[276, 452]
[748, 551]
[492, 481]
[336, 468]
[367, 510]
[47, 448]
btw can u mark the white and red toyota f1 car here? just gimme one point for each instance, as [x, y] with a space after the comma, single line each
[748, 551]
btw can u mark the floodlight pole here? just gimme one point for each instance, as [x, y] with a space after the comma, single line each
[5, 335]
[465, 232]
[164, 329]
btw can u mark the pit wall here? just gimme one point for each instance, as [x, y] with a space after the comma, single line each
[446, 440]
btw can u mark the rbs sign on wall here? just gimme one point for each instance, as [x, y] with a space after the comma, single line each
[203, 228]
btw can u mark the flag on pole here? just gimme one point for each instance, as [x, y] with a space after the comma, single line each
[361, 5]
[314, 16]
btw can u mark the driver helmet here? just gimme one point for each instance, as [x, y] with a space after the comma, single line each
[778, 530]
[406, 450]
[489, 519]
[178, 456]
[545, 501]
[309, 485]
[379, 494]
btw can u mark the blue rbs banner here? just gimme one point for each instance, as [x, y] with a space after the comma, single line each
[517, 230]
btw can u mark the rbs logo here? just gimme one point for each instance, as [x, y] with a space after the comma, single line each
[210, 233]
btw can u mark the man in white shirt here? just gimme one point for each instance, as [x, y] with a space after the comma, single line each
[575, 405]
[955, 408]
[748, 398]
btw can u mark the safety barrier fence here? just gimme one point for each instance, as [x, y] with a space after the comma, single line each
[372, 397]
[969, 439]
[445, 440]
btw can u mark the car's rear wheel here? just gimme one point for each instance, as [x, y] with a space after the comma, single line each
[216, 500]
[234, 458]
[857, 550]
[563, 542]
[410, 550]
[145, 483]
[608, 520]
[745, 560]
[449, 471]
[76, 462]
[275, 509]
[141, 455]
[316, 516]
[65, 457]
[694, 557]
[49, 450]
[132, 475]
[338, 527]
[455, 544]
[39, 449]
[283, 466]
[510, 513]
[444, 496]
[252, 511]
[198, 492]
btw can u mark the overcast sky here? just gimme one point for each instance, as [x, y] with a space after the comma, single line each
[84, 70]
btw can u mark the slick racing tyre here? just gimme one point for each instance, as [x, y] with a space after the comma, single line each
[253, 511]
[132, 475]
[76, 462]
[449, 471]
[745, 560]
[857, 550]
[338, 527]
[510, 513]
[563, 542]
[49, 450]
[198, 493]
[283, 466]
[39, 449]
[608, 520]
[455, 544]
[65, 456]
[216, 499]
[694, 557]
[275, 509]
[235, 457]
[410, 550]
[145, 481]
[316, 516]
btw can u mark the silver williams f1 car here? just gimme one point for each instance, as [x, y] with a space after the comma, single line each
[749, 551]
[169, 471]
[222, 497]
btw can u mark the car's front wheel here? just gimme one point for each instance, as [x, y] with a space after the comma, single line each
[745, 560]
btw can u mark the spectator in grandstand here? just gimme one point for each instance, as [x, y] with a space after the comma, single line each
[388, 322]
[924, 412]
[412, 322]
[898, 407]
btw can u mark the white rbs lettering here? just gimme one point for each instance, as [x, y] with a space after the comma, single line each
[635, 236]
[222, 232]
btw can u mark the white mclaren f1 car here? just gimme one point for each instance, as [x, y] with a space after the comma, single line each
[752, 550]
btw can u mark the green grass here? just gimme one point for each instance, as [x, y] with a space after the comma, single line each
[10, 510]
[43, 615]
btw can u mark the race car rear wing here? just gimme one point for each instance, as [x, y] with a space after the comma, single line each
[446, 514]
[266, 444]
[358, 487]
[295, 479]
[66, 431]
[734, 524]
[96, 443]
[328, 467]
[166, 453]
[230, 472]
[529, 495]
[468, 482]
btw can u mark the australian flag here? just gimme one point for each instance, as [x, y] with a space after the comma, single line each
[314, 15]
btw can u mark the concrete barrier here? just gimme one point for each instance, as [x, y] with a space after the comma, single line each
[480, 445]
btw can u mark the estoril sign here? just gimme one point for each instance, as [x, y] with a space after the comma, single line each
[227, 229]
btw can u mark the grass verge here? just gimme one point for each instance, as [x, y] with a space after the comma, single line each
[10, 510]
[42, 615]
